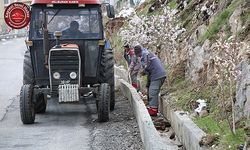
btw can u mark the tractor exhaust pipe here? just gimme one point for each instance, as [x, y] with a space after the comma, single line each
[45, 40]
[58, 35]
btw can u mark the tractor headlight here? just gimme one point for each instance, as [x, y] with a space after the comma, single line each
[56, 75]
[73, 75]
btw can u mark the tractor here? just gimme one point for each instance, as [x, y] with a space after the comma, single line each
[67, 57]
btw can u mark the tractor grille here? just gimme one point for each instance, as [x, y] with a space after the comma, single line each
[68, 93]
[64, 62]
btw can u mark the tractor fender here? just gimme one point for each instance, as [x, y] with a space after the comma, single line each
[107, 44]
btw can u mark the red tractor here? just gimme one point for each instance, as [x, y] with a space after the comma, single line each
[67, 57]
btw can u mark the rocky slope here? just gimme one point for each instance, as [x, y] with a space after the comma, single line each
[205, 47]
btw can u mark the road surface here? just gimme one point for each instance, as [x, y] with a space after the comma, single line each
[63, 126]
[11, 59]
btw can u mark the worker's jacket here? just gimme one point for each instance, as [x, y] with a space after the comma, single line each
[153, 66]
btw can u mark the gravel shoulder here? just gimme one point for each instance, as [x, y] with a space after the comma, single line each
[121, 132]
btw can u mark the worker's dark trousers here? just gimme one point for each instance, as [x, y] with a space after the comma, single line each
[154, 90]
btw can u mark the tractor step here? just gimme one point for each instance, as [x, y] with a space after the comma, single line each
[68, 93]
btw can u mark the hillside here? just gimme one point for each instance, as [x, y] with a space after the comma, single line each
[205, 46]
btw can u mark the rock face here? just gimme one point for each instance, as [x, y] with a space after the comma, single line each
[201, 67]
[242, 104]
[235, 21]
[195, 62]
[198, 61]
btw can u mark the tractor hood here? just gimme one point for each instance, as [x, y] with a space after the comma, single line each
[69, 46]
[65, 2]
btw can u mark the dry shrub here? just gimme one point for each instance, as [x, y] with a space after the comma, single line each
[114, 25]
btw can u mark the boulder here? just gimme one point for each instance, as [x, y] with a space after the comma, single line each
[196, 60]
[193, 40]
[242, 104]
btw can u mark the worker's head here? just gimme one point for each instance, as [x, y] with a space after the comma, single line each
[126, 47]
[74, 26]
[138, 50]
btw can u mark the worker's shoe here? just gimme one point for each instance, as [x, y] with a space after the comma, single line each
[152, 111]
[134, 84]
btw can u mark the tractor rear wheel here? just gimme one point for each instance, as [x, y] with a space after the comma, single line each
[28, 75]
[107, 74]
[27, 108]
[41, 103]
[103, 102]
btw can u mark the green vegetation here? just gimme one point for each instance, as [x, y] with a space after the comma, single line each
[117, 45]
[119, 4]
[186, 19]
[172, 4]
[155, 13]
[245, 17]
[187, 13]
[143, 9]
[184, 93]
[227, 30]
[219, 21]
[221, 128]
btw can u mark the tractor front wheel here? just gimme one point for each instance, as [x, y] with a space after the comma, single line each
[103, 102]
[27, 107]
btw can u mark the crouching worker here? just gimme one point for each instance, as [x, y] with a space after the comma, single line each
[128, 53]
[134, 69]
[153, 68]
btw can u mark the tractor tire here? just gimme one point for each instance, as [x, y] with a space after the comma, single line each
[28, 75]
[107, 74]
[27, 108]
[103, 103]
[41, 103]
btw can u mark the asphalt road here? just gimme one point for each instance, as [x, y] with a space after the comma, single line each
[63, 126]
[11, 62]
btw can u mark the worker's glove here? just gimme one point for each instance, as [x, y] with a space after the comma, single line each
[143, 73]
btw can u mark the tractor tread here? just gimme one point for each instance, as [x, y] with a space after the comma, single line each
[27, 111]
[107, 74]
[103, 103]
[28, 75]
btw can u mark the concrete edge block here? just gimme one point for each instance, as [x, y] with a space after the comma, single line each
[117, 83]
[121, 73]
[185, 129]
[150, 136]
